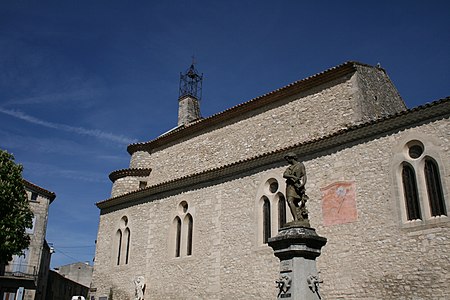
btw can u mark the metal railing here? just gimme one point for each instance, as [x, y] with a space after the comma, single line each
[21, 270]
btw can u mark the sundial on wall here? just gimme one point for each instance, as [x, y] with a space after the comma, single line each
[339, 203]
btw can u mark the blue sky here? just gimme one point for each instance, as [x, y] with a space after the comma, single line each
[80, 80]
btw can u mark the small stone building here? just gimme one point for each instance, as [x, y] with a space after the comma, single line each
[61, 287]
[193, 212]
[27, 274]
[80, 272]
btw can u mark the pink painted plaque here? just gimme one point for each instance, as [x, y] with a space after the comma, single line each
[339, 203]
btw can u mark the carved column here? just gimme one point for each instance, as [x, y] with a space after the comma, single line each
[297, 247]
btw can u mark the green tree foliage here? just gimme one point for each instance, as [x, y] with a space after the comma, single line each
[15, 212]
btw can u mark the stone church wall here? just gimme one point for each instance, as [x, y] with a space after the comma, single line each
[309, 115]
[379, 256]
[375, 256]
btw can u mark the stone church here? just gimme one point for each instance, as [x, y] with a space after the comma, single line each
[191, 216]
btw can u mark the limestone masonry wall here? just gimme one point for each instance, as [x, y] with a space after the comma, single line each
[378, 257]
[373, 257]
[126, 184]
[377, 96]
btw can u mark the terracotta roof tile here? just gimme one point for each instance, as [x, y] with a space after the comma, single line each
[129, 172]
[38, 189]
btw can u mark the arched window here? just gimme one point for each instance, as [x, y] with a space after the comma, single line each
[178, 237]
[123, 239]
[183, 231]
[411, 193]
[434, 188]
[281, 211]
[421, 185]
[270, 207]
[127, 249]
[267, 227]
[189, 235]
[119, 244]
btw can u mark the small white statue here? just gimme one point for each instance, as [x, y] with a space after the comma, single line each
[139, 288]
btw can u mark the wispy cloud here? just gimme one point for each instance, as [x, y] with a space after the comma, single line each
[67, 128]
[42, 144]
[81, 96]
[33, 170]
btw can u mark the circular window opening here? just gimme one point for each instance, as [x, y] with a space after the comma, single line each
[415, 149]
[124, 220]
[272, 185]
[183, 206]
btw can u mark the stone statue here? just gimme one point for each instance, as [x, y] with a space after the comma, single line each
[139, 288]
[295, 176]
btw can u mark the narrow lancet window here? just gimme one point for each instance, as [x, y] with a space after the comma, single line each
[127, 250]
[434, 188]
[281, 211]
[178, 237]
[266, 221]
[119, 246]
[411, 193]
[189, 235]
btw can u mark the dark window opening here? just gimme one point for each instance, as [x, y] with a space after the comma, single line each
[281, 212]
[434, 189]
[411, 193]
[128, 235]
[266, 221]
[178, 238]
[189, 237]
[34, 196]
[119, 246]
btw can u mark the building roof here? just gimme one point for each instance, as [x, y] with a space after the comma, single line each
[273, 96]
[434, 110]
[139, 172]
[35, 188]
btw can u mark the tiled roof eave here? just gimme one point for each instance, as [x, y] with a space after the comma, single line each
[50, 195]
[354, 133]
[139, 172]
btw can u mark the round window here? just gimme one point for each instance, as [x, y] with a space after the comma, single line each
[272, 185]
[183, 206]
[415, 149]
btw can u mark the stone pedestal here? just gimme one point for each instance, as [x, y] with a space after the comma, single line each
[297, 247]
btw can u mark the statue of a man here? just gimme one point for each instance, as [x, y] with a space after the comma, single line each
[295, 176]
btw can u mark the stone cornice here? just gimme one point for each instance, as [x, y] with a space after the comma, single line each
[278, 94]
[129, 172]
[35, 188]
[437, 109]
